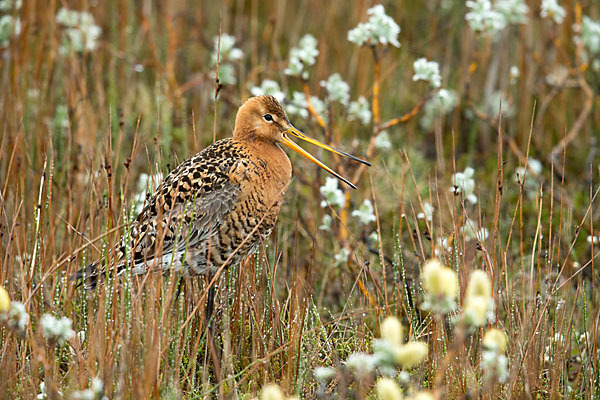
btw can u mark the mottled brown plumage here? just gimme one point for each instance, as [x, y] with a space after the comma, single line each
[218, 205]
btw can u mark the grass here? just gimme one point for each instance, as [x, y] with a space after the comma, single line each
[78, 129]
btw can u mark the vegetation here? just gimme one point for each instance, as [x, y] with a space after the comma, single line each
[462, 267]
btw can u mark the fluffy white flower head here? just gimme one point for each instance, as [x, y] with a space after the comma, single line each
[428, 71]
[495, 340]
[590, 34]
[380, 28]
[411, 353]
[268, 87]
[334, 196]
[337, 89]
[382, 141]
[365, 213]
[463, 182]
[302, 56]
[438, 280]
[391, 330]
[57, 329]
[388, 389]
[271, 391]
[551, 9]
[360, 110]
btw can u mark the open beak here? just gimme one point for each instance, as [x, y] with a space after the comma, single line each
[289, 143]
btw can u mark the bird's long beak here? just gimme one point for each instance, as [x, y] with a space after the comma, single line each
[289, 143]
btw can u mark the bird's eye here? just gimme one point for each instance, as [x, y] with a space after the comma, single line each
[268, 117]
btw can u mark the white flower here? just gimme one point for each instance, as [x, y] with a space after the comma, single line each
[472, 232]
[441, 103]
[514, 11]
[326, 223]
[226, 74]
[380, 28]
[227, 49]
[95, 391]
[57, 329]
[361, 363]
[9, 27]
[341, 257]
[324, 373]
[592, 239]
[365, 213]
[428, 71]
[18, 318]
[382, 141]
[427, 213]
[463, 183]
[534, 166]
[514, 74]
[337, 89]
[297, 106]
[302, 56]
[551, 9]
[268, 87]
[590, 34]
[8, 5]
[360, 110]
[334, 196]
[80, 33]
[227, 54]
[495, 366]
[483, 18]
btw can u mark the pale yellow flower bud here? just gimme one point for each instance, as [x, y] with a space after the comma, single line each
[388, 389]
[271, 392]
[422, 395]
[411, 353]
[439, 280]
[4, 300]
[476, 309]
[479, 285]
[495, 339]
[391, 330]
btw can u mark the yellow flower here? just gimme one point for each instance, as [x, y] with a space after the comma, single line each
[439, 280]
[271, 392]
[4, 300]
[476, 309]
[411, 353]
[479, 285]
[422, 395]
[391, 330]
[495, 339]
[388, 389]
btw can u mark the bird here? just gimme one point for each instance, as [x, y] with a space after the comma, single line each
[215, 208]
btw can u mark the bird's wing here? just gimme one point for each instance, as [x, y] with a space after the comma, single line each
[186, 208]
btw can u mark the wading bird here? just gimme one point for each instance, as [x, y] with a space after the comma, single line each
[215, 208]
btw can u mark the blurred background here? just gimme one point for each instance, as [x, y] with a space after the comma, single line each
[491, 164]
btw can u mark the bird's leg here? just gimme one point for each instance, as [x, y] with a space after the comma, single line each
[210, 305]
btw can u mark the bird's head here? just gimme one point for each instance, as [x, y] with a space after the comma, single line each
[263, 118]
